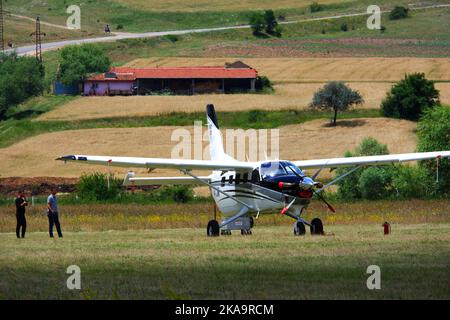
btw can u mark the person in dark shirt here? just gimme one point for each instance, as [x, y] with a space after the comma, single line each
[21, 203]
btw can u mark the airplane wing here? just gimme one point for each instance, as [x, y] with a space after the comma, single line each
[153, 163]
[370, 160]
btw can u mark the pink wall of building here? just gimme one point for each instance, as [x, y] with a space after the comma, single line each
[101, 88]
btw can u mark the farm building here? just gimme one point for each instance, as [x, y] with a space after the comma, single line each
[233, 77]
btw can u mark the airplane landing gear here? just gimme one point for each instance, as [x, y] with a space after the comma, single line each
[316, 227]
[213, 229]
[246, 232]
[225, 232]
[299, 228]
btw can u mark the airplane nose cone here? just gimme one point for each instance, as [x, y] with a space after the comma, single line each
[307, 183]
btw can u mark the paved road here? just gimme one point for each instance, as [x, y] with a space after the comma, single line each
[119, 36]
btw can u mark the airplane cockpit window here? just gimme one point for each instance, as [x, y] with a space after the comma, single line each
[290, 168]
[272, 169]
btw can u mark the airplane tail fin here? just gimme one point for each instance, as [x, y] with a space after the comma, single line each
[215, 139]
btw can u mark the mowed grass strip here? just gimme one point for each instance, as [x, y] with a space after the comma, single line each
[136, 216]
[35, 156]
[270, 264]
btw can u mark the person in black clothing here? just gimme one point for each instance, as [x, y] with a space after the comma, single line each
[21, 203]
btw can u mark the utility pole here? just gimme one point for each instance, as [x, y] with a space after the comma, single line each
[2, 39]
[38, 34]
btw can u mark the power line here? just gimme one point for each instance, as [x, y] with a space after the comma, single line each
[38, 39]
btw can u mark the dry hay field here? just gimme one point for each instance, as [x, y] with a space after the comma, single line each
[295, 80]
[312, 139]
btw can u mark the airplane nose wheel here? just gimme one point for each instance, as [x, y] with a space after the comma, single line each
[299, 229]
[316, 227]
[213, 229]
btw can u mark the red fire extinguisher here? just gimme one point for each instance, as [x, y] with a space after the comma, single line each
[386, 227]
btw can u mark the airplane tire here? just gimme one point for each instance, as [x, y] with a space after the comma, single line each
[316, 227]
[213, 229]
[299, 229]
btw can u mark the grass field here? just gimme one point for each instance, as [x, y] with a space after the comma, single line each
[313, 139]
[271, 264]
[140, 15]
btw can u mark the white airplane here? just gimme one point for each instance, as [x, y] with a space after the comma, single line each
[242, 190]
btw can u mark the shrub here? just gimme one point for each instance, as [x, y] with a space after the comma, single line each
[179, 194]
[171, 38]
[119, 27]
[412, 182]
[410, 97]
[270, 21]
[315, 7]
[349, 187]
[344, 27]
[433, 131]
[94, 186]
[257, 23]
[398, 13]
[263, 83]
[374, 182]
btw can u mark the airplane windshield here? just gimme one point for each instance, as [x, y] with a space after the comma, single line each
[272, 169]
[290, 167]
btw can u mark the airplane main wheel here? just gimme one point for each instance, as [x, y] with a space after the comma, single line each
[213, 229]
[299, 229]
[246, 232]
[316, 227]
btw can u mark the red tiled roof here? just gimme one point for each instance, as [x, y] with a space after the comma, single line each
[131, 74]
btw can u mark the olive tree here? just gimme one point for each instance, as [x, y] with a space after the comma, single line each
[336, 96]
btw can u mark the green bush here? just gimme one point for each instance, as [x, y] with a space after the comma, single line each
[178, 194]
[433, 131]
[20, 78]
[257, 23]
[410, 97]
[263, 83]
[171, 38]
[349, 187]
[344, 27]
[411, 182]
[315, 7]
[374, 182]
[94, 186]
[398, 13]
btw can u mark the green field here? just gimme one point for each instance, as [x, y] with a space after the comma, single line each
[271, 264]
[160, 251]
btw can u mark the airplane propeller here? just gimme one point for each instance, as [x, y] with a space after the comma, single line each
[307, 183]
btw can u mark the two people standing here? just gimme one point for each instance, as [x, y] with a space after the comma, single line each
[52, 213]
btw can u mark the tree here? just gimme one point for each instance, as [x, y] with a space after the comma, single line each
[336, 96]
[257, 23]
[433, 131]
[270, 21]
[79, 61]
[398, 13]
[20, 78]
[410, 97]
